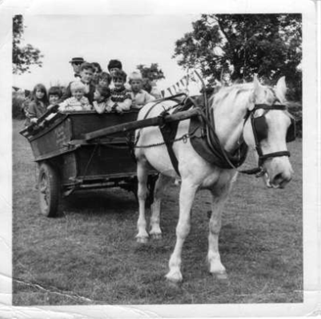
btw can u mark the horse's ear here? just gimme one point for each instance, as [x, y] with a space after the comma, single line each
[280, 90]
[258, 89]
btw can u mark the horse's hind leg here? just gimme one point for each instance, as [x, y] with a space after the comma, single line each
[186, 197]
[155, 230]
[142, 176]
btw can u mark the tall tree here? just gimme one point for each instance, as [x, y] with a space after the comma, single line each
[23, 56]
[267, 44]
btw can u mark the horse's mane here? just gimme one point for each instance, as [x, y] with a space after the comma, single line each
[238, 95]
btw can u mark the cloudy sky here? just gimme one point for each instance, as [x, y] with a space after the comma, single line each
[133, 39]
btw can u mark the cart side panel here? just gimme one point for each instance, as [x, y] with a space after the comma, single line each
[105, 160]
[83, 123]
[69, 168]
[53, 140]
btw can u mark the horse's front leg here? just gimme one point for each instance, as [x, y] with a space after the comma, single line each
[142, 235]
[155, 230]
[186, 197]
[218, 200]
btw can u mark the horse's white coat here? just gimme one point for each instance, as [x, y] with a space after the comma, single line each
[229, 105]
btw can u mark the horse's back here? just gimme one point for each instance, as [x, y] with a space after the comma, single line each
[155, 108]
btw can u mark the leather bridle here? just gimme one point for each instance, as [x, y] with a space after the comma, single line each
[259, 129]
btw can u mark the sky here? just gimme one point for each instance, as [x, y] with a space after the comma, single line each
[133, 39]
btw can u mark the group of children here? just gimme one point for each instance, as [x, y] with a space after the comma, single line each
[92, 89]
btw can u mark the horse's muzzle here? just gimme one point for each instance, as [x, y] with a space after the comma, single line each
[278, 173]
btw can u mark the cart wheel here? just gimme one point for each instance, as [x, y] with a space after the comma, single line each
[49, 190]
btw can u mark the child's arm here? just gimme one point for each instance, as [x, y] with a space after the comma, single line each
[31, 113]
[100, 108]
[63, 105]
[124, 106]
[86, 104]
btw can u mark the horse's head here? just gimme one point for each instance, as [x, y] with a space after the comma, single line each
[267, 129]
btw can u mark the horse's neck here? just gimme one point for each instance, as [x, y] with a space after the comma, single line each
[229, 121]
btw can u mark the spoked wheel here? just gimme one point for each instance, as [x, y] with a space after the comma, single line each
[49, 190]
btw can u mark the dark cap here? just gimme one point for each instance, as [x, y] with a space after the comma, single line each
[114, 64]
[77, 60]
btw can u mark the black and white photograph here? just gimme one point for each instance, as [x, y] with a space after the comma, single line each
[163, 160]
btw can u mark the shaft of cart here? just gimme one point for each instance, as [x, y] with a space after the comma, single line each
[130, 126]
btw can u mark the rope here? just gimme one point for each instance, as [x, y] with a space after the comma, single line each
[182, 138]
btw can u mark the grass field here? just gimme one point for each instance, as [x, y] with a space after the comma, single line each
[90, 256]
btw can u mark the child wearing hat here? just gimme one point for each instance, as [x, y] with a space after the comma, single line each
[102, 99]
[121, 99]
[139, 96]
[78, 102]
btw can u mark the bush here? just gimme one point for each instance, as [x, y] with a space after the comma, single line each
[17, 108]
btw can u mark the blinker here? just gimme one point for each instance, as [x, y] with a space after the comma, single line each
[261, 129]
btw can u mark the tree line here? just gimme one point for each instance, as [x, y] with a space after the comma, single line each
[269, 45]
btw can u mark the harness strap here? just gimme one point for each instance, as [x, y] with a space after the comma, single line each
[263, 157]
[169, 131]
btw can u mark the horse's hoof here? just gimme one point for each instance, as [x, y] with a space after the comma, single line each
[174, 278]
[156, 236]
[142, 240]
[221, 275]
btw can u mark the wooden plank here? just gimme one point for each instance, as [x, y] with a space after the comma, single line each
[130, 126]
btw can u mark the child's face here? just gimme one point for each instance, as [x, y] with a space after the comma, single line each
[97, 95]
[103, 82]
[113, 71]
[118, 82]
[86, 75]
[40, 94]
[53, 98]
[78, 94]
[136, 85]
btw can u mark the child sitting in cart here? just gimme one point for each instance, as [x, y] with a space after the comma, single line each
[121, 99]
[104, 79]
[139, 96]
[54, 95]
[38, 104]
[78, 102]
[86, 74]
[102, 102]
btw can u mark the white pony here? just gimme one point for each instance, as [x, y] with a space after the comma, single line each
[234, 109]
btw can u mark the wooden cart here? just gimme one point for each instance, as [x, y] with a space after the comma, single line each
[69, 162]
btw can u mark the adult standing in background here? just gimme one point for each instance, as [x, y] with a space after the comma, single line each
[76, 64]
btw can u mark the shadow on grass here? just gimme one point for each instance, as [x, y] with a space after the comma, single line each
[98, 202]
